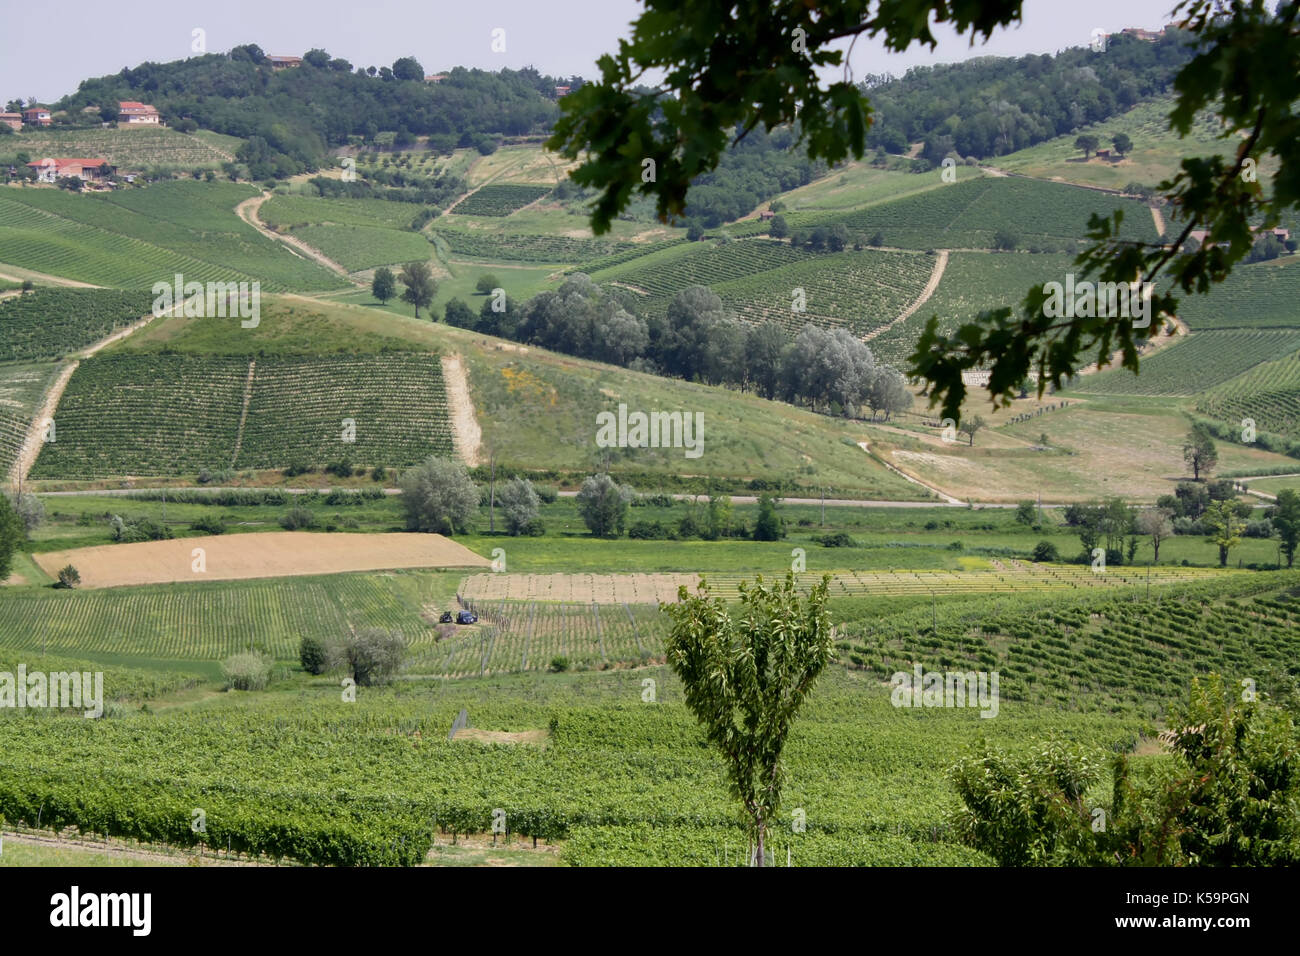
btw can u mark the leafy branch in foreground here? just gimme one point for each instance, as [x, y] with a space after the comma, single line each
[745, 679]
[729, 66]
[1247, 70]
[733, 65]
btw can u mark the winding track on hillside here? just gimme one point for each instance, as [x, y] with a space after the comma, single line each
[35, 437]
[247, 211]
[936, 276]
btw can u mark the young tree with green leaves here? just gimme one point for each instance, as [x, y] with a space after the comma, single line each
[1286, 520]
[420, 285]
[1199, 451]
[1225, 528]
[1122, 143]
[1088, 144]
[11, 536]
[971, 426]
[384, 285]
[746, 673]
[768, 526]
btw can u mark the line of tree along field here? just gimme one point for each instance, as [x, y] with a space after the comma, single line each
[697, 339]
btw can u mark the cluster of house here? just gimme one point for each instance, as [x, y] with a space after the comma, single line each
[129, 113]
[1280, 234]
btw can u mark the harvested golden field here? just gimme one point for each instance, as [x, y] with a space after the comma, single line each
[270, 554]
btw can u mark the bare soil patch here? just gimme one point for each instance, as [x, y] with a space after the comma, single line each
[260, 554]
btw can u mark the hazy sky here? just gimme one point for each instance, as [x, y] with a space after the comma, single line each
[560, 37]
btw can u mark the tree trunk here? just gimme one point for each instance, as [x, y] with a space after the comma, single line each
[760, 830]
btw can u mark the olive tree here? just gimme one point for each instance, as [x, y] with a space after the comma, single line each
[603, 504]
[520, 505]
[438, 496]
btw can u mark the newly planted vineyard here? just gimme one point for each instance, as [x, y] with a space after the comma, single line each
[499, 200]
[52, 322]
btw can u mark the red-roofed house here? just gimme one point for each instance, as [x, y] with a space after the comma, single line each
[131, 113]
[13, 120]
[36, 116]
[88, 170]
[284, 62]
[434, 77]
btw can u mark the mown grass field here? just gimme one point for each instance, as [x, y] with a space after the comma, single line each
[1157, 151]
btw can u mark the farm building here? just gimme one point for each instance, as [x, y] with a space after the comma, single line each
[434, 77]
[36, 116]
[131, 113]
[13, 120]
[284, 62]
[87, 170]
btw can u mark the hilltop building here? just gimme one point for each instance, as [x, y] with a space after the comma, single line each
[284, 62]
[131, 113]
[13, 120]
[36, 116]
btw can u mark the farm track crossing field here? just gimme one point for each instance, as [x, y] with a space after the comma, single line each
[1268, 394]
[364, 247]
[143, 413]
[259, 554]
[21, 389]
[1204, 360]
[49, 323]
[972, 282]
[138, 237]
[499, 200]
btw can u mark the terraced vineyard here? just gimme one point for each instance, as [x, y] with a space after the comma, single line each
[532, 248]
[1093, 652]
[166, 414]
[516, 636]
[125, 414]
[966, 215]
[48, 323]
[860, 291]
[1269, 394]
[398, 403]
[128, 149]
[1263, 295]
[364, 247]
[1204, 360]
[132, 239]
[291, 211]
[499, 200]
